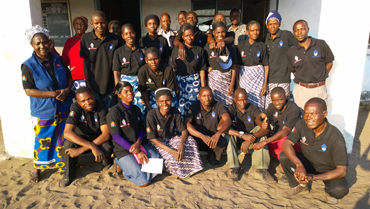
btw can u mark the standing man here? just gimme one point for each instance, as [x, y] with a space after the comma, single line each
[310, 60]
[278, 42]
[97, 49]
[323, 157]
[181, 17]
[166, 31]
[239, 29]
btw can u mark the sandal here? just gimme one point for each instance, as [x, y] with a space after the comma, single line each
[35, 176]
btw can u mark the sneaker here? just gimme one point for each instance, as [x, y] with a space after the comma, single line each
[266, 176]
[283, 180]
[235, 173]
[331, 200]
[294, 191]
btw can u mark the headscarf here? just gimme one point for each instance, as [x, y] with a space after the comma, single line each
[151, 16]
[31, 32]
[273, 15]
[162, 91]
[82, 18]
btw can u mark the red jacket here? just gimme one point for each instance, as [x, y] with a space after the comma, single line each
[71, 56]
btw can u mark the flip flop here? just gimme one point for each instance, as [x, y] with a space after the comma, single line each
[35, 177]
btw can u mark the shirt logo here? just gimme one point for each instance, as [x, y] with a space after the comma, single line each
[82, 119]
[164, 82]
[243, 55]
[212, 55]
[124, 123]
[138, 118]
[200, 117]
[296, 59]
[276, 115]
[323, 148]
[303, 140]
[249, 119]
[111, 46]
[258, 54]
[95, 119]
[283, 122]
[292, 169]
[234, 121]
[124, 61]
[293, 130]
[92, 47]
[281, 44]
[148, 130]
[213, 115]
[24, 78]
[190, 112]
[172, 124]
[316, 54]
[141, 58]
[149, 81]
[159, 128]
[71, 114]
[160, 48]
[113, 124]
[200, 41]
[197, 56]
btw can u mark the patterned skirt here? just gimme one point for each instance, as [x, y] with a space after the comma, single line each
[219, 83]
[138, 101]
[189, 89]
[251, 78]
[49, 141]
[78, 84]
[190, 164]
[270, 86]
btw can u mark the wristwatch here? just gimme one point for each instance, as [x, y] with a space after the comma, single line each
[241, 133]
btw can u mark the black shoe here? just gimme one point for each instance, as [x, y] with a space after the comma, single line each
[212, 159]
[266, 176]
[283, 180]
[235, 173]
[64, 182]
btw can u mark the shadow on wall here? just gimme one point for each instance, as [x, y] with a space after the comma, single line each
[329, 81]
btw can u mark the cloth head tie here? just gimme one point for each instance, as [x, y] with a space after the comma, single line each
[162, 91]
[151, 16]
[31, 32]
[273, 15]
[82, 18]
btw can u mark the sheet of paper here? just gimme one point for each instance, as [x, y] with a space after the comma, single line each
[155, 165]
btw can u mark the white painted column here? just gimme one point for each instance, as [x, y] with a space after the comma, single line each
[15, 49]
[343, 25]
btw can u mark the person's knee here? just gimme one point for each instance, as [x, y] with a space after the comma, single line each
[283, 158]
[68, 144]
[222, 142]
[107, 148]
[338, 192]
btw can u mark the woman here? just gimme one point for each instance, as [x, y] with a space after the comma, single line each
[127, 60]
[221, 67]
[48, 82]
[255, 60]
[180, 154]
[127, 129]
[71, 53]
[190, 69]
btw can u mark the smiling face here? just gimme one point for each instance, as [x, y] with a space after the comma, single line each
[314, 116]
[129, 35]
[192, 19]
[164, 103]
[127, 95]
[182, 18]
[273, 26]
[152, 26]
[278, 100]
[241, 100]
[79, 26]
[253, 32]
[41, 45]
[153, 60]
[300, 31]
[205, 97]
[86, 100]
[99, 24]
[235, 17]
[188, 37]
[219, 33]
[165, 22]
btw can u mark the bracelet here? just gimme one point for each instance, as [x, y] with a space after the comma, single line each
[254, 136]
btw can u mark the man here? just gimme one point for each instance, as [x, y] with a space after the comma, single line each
[202, 120]
[229, 38]
[323, 156]
[243, 133]
[97, 49]
[238, 28]
[278, 42]
[165, 30]
[181, 17]
[114, 26]
[86, 133]
[310, 60]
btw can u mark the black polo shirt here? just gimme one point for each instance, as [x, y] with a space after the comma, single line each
[128, 61]
[278, 47]
[325, 152]
[100, 55]
[193, 63]
[159, 43]
[206, 121]
[29, 82]
[200, 38]
[288, 118]
[212, 58]
[243, 121]
[255, 54]
[310, 64]
[88, 122]
[163, 78]
[159, 126]
[127, 123]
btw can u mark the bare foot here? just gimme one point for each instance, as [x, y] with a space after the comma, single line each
[35, 175]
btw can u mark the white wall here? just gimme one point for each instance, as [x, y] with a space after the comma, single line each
[172, 7]
[345, 79]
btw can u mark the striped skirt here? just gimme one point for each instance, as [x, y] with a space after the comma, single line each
[219, 83]
[189, 89]
[251, 78]
[49, 141]
[270, 86]
[190, 164]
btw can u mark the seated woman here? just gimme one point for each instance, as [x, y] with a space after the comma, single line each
[221, 67]
[180, 154]
[189, 69]
[127, 130]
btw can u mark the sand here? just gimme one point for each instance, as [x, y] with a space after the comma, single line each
[97, 187]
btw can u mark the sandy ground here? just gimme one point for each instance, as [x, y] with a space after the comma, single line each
[96, 187]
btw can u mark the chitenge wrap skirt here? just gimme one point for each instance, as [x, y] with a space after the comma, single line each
[189, 89]
[219, 82]
[138, 101]
[251, 78]
[190, 164]
[49, 140]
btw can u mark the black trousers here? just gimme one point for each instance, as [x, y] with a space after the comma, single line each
[337, 188]
[221, 146]
[83, 159]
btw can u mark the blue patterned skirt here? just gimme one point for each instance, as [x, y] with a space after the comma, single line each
[189, 89]
[138, 101]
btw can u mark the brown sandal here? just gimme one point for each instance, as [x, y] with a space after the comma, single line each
[35, 176]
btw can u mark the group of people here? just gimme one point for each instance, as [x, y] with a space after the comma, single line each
[171, 94]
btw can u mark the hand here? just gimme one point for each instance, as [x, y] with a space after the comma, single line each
[248, 137]
[63, 94]
[174, 153]
[209, 69]
[99, 155]
[206, 139]
[300, 174]
[263, 90]
[309, 177]
[52, 44]
[214, 140]
[56, 93]
[180, 152]
[135, 148]
[177, 90]
[230, 90]
[181, 50]
[213, 45]
[264, 124]
[73, 152]
[245, 146]
[221, 44]
[182, 56]
[142, 158]
[259, 145]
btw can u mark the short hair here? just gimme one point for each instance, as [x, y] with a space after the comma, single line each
[298, 21]
[98, 14]
[205, 88]
[253, 22]
[191, 12]
[112, 22]
[165, 13]
[278, 90]
[321, 103]
[82, 90]
[151, 50]
[182, 12]
[241, 90]
[120, 85]
[127, 25]
[235, 10]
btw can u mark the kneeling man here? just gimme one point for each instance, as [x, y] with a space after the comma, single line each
[202, 120]
[86, 133]
[323, 156]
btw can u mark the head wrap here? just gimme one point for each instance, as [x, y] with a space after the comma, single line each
[30, 32]
[218, 24]
[82, 18]
[151, 16]
[162, 91]
[273, 15]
